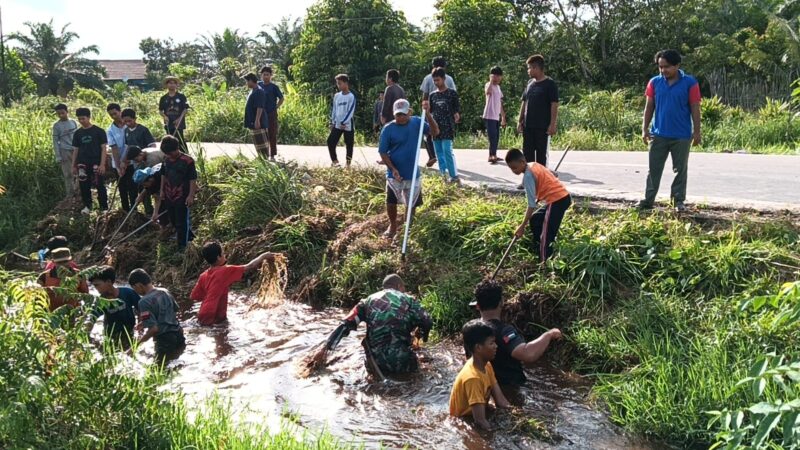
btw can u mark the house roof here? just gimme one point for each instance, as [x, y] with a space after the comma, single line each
[123, 69]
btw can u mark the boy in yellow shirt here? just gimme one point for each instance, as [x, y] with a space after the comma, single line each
[476, 382]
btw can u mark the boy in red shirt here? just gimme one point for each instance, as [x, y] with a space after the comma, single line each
[213, 285]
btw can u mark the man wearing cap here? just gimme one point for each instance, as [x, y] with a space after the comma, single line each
[512, 350]
[61, 280]
[398, 150]
[149, 182]
[427, 88]
[391, 316]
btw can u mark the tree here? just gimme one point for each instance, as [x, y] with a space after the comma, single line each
[51, 64]
[279, 42]
[362, 38]
[160, 54]
[17, 82]
[228, 53]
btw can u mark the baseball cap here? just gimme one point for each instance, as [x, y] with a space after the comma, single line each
[400, 106]
[142, 174]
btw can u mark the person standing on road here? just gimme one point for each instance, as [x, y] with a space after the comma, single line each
[427, 88]
[63, 130]
[273, 99]
[344, 106]
[494, 115]
[255, 119]
[673, 106]
[173, 106]
[538, 115]
[392, 93]
[446, 111]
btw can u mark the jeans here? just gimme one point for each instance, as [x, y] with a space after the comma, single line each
[92, 179]
[493, 131]
[660, 148]
[444, 153]
[333, 141]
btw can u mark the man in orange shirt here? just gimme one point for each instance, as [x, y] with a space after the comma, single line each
[213, 285]
[540, 185]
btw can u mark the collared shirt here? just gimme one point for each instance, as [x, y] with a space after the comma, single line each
[116, 138]
[673, 113]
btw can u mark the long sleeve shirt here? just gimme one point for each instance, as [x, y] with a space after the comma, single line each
[344, 106]
[63, 130]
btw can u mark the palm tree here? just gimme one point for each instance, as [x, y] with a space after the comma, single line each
[50, 64]
[278, 43]
[228, 53]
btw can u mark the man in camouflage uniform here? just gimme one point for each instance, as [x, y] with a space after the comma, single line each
[391, 316]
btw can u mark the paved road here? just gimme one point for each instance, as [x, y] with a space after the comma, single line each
[765, 182]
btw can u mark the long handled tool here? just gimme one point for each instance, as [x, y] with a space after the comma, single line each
[411, 199]
[127, 216]
[566, 150]
[97, 232]
[125, 238]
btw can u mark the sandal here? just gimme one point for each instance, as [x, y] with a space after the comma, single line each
[388, 235]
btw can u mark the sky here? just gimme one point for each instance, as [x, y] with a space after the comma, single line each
[117, 33]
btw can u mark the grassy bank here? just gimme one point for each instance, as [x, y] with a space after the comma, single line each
[56, 393]
[650, 305]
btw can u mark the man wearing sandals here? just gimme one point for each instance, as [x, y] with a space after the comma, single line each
[398, 149]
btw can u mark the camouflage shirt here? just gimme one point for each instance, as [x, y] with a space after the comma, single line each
[391, 316]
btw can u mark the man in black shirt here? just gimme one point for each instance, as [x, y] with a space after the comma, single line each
[512, 350]
[538, 114]
[173, 106]
[89, 160]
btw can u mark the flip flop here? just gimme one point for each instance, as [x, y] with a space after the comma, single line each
[389, 236]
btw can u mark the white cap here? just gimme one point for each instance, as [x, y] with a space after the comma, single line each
[401, 106]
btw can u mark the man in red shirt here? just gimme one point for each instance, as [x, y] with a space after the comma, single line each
[213, 285]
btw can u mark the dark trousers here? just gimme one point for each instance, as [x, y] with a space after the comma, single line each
[272, 119]
[128, 190]
[179, 216]
[178, 133]
[333, 141]
[147, 202]
[545, 224]
[660, 148]
[429, 146]
[534, 145]
[493, 131]
[86, 184]
[169, 345]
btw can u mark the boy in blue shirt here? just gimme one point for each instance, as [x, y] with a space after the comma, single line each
[118, 305]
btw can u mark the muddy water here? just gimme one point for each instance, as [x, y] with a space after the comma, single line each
[251, 360]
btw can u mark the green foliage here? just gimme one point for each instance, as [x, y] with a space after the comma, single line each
[16, 82]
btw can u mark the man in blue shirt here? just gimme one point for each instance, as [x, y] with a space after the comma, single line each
[673, 97]
[398, 149]
[119, 307]
[254, 118]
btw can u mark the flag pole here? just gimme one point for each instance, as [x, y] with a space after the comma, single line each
[409, 206]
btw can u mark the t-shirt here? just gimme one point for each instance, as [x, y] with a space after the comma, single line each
[255, 100]
[179, 174]
[159, 308]
[539, 97]
[119, 313]
[401, 143]
[139, 136]
[391, 95]
[173, 107]
[472, 387]
[444, 104]
[214, 284]
[673, 114]
[494, 102]
[507, 369]
[376, 114]
[89, 142]
[427, 86]
[116, 138]
[271, 95]
[344, 105]
[63, 130]
[151, 158]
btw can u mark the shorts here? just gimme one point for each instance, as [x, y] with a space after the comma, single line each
[404, 191]
[169, 345]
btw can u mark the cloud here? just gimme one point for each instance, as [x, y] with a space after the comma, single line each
[117, 28]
